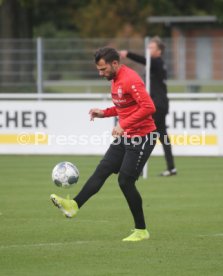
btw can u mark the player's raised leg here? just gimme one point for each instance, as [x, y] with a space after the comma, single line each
[68, 207]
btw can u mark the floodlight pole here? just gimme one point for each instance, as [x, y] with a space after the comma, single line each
[147, 81]
[39, 66]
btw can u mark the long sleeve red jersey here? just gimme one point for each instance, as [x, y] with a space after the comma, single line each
[133, 105]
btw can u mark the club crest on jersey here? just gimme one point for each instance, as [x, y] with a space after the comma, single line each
[120, 92]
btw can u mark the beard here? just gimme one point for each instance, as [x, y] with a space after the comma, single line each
[112, 74]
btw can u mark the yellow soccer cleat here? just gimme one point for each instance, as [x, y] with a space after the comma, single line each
[68, 207]
[137, 235]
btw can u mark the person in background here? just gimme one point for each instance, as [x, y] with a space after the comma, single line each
[158, 92]
[134, 140]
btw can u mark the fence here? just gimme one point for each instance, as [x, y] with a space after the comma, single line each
[67, 65]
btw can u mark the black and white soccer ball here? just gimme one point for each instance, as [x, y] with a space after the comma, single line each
[65, 174]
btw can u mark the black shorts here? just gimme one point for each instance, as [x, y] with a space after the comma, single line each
[129, 155]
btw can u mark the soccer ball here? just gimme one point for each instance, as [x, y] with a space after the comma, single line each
[65, 174]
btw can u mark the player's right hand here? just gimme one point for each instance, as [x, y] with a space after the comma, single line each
[96, 113]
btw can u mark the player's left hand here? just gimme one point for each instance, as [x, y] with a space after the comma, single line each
[117, 131]
[123, 53]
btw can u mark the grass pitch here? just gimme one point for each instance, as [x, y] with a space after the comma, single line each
[184, 216]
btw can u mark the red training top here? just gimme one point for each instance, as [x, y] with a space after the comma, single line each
[133, 105]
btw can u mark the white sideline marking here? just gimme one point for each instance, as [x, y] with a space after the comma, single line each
[212, 235]
[96, 221]
[42, 244]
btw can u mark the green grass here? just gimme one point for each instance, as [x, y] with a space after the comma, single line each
[106, 89]
[199, 89]
[77, 89]
[184, 216]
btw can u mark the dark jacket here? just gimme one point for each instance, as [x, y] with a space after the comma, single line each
[158, 76]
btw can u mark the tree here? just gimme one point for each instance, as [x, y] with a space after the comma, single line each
[15, 23]
[108, 18]
[105, 18]
[53, 18]
[22, 19]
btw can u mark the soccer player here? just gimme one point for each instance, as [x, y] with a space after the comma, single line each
[134, 140]
[158, 93]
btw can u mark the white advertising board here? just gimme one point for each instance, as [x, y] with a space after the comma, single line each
[53, 127]
[195, 128]
[64, 127]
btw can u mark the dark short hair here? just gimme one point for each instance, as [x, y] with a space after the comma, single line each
[106, 53]
[159, 43]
